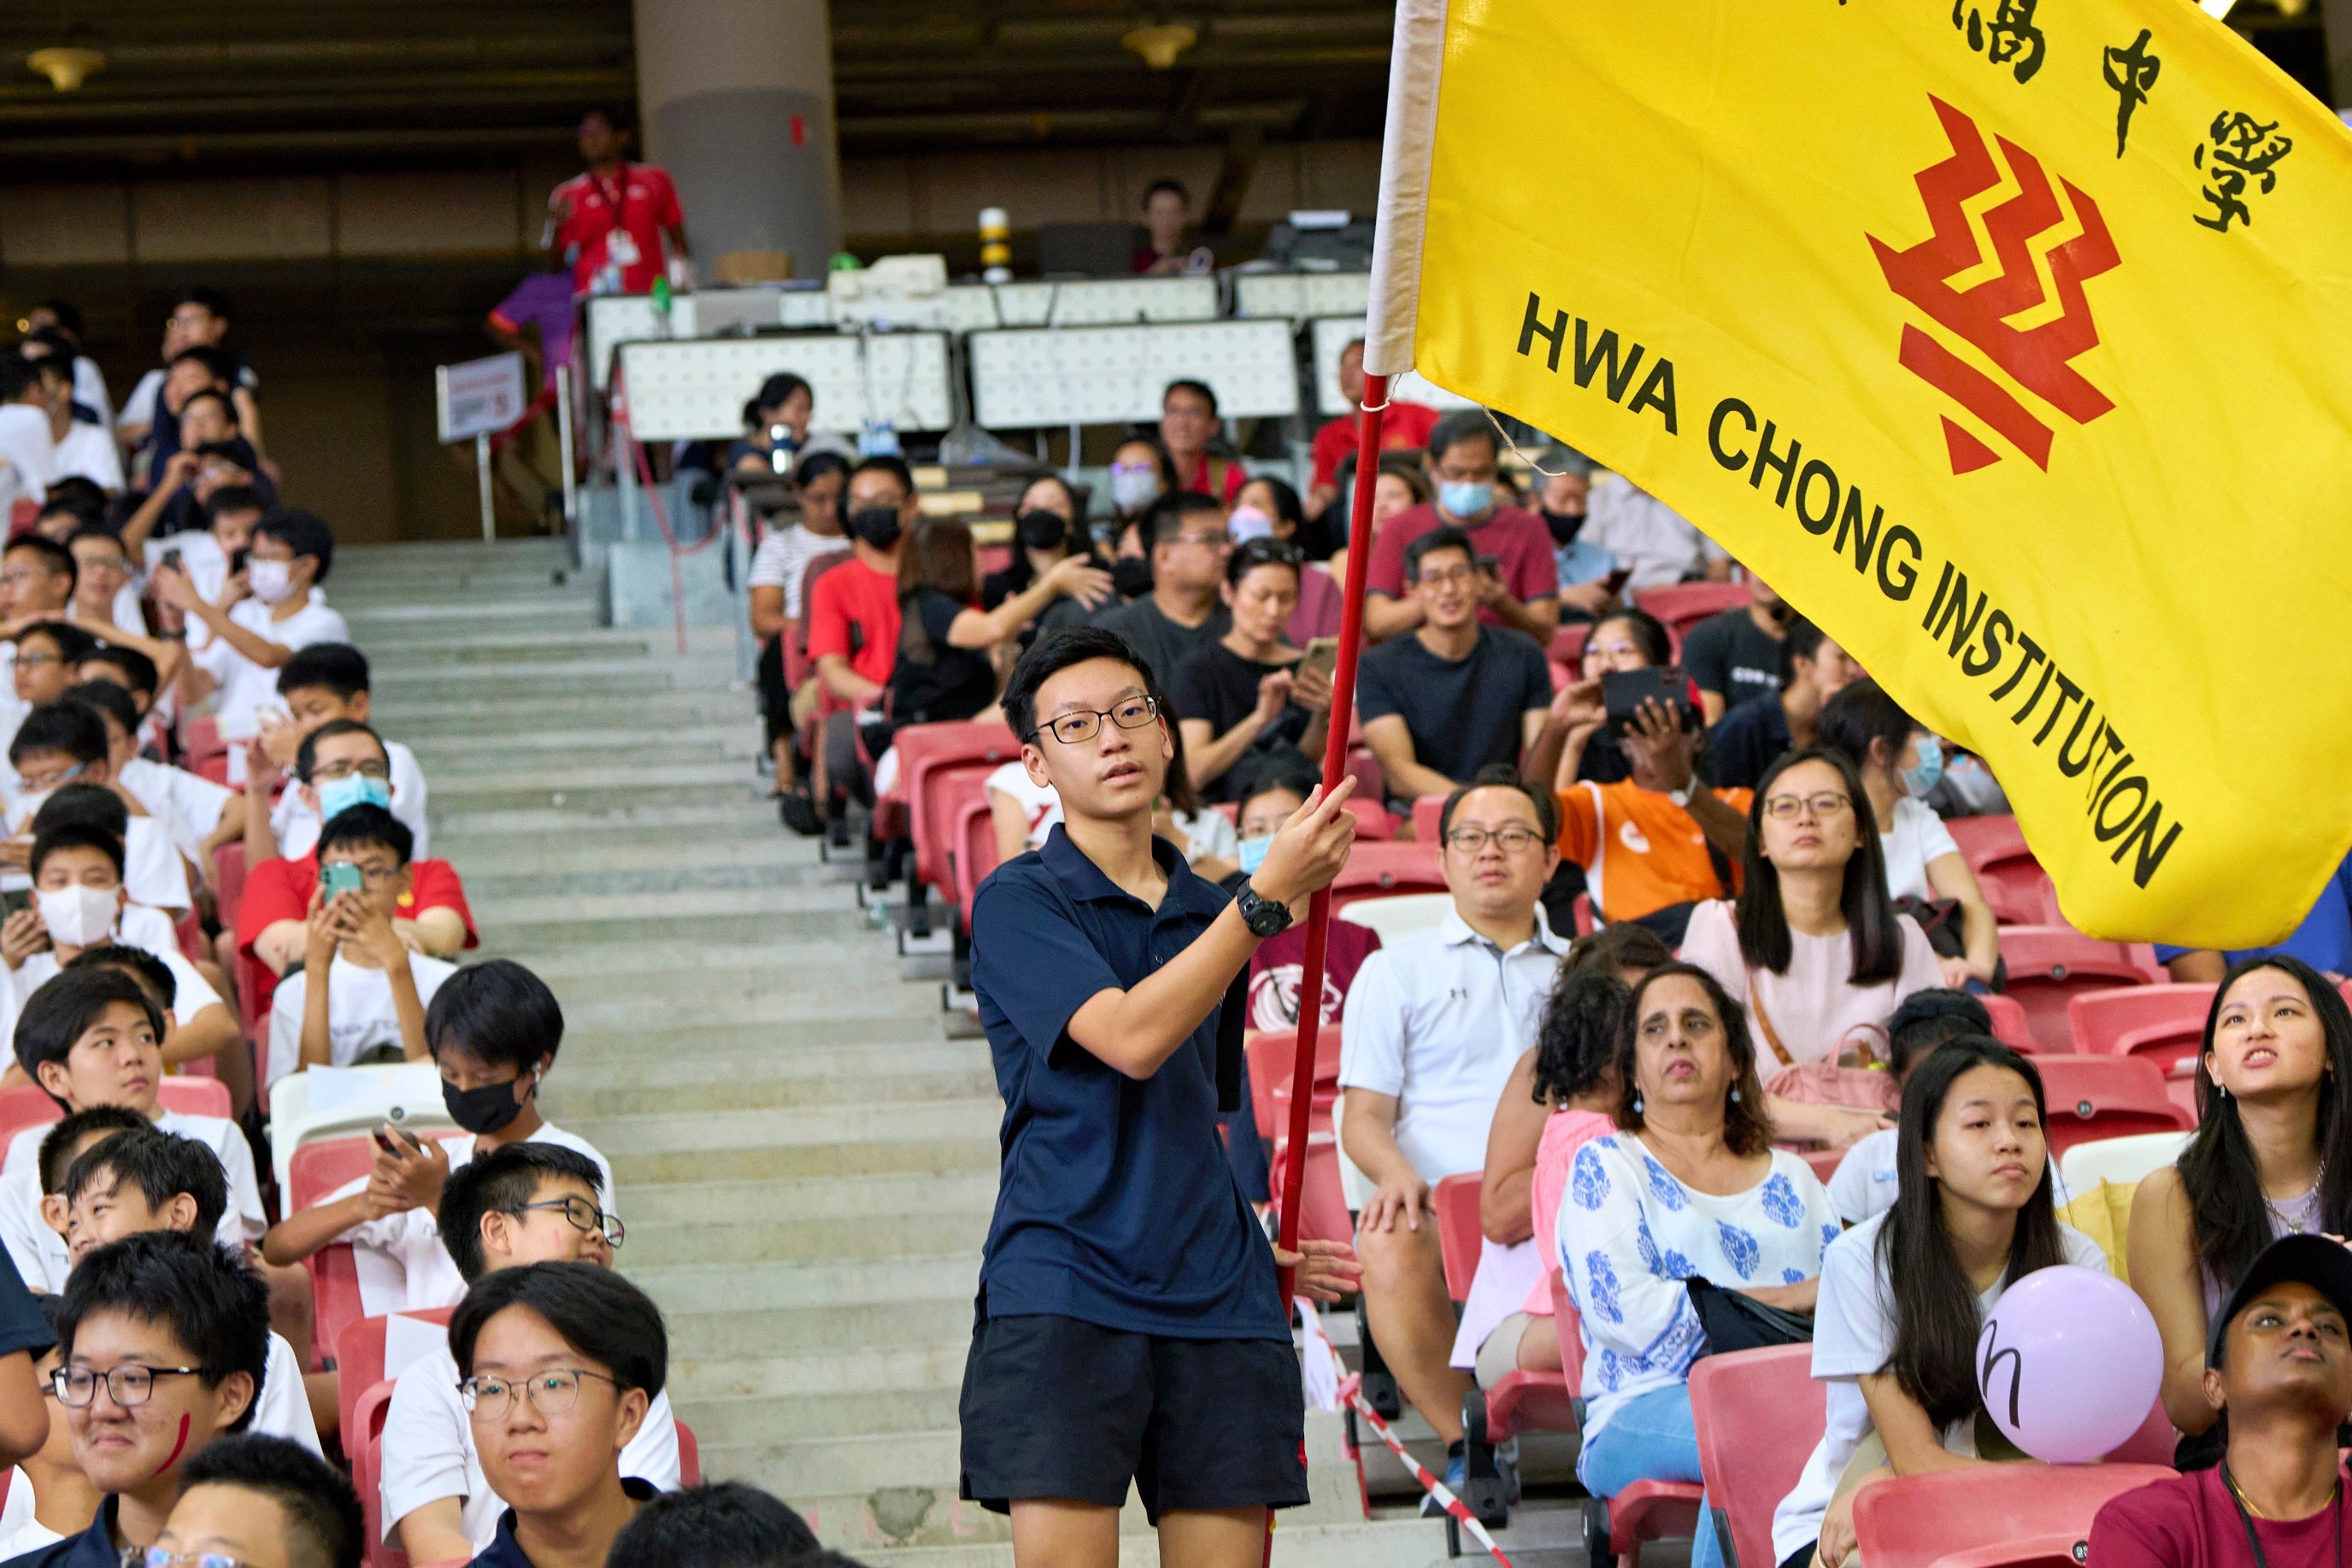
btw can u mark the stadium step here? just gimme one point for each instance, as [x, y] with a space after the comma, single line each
[805, 1162]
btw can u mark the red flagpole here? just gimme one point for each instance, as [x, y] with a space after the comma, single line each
[1335, 766]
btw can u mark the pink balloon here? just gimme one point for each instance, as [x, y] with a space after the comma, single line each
[2069, 1363]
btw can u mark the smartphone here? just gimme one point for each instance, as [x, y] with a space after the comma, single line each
[342, 876]
[14, 900]
[1624, 691]
[237, 560]
[1322, 656]
[1615, 581]
[390, 1143]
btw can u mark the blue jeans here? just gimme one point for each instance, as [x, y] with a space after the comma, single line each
[1651, 1439]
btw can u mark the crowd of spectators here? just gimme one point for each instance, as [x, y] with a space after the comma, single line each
[214, 866]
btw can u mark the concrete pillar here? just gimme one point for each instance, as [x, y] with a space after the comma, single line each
[2336, 14]
[736, 101]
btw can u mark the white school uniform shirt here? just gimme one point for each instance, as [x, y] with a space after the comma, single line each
[1854, 1335]
[20, 1532]
[27, 449]
[153, 873]
[39, 1252]
[402, 1265]
[1918, 838]
[188, 804]
[88, 450]
[282, 1407]
[429, 1453]
[246, 687]
[150, 930]
[360, 1012]
[296, 822]
[206, 564]
[1865, 1183]
[1041, 803]
[89, 391]
[1630, 1234]
[1438, 1020]
[139, 408]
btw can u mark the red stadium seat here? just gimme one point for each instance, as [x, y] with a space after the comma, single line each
[2014, 884]
[2164, 1024]
[24, 1105]
[1983, 841]
[972, 852]
[2009, 1024]
[1587, 922]
[1733, 1398]
[362, 1439]
[1279, 1061]
[2106, 1097]
[200, 739]
[228, 881]
[1427, 810]
[929, 757]
[359, 1359]
[1323, 1207]
[1646, 1511]
[316, 1170]
[1521, 1401]
[1372, 784]
[2049, 965]
[1824, 1162]
[689, 1457]
[1683, 605]
[1989, 1516]
[1373, 823]
[1459, 1239]
[1374, 870]
[1568, 644]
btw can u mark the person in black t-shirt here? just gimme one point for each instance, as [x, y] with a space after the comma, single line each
[943, 671]
[1245, 695]
[1752, 735]
[1452, 697]
[1736, 655]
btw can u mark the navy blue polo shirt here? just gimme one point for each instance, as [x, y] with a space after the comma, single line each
[1114, 1205]
[93, 1548]
[505, 1551]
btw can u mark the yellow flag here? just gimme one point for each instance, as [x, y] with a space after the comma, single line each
[2009, 339]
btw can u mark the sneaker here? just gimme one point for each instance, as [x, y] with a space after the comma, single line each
[1457, 1476]
[798, 812]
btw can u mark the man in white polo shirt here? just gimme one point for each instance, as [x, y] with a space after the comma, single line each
[1432, 1026]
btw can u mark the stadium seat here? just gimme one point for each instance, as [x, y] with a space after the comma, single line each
[2161, 1023]
[1373, 823]
[1522, 1401]
[2123, 1160]
[1587, 920]
[228, 881]
[24, 1105]
[2009, 1024]
[362, 1439]
[689, 1457]
[2014, 884]
[1984, 841]
[1376, 871]
[973, 852]
[1647, 1510]
[1279, 1061]
[1372, 784]
[2032, 1513]
[359, 1358]
[1568, 644]
[1683, 605]
[1735, 1398]
[2104, 1097]
[1323, 1207]
[1400, 914]
[2051, 964]
[1427, 810]
[1459, 1239]
[929, 755]
[1824, 1162]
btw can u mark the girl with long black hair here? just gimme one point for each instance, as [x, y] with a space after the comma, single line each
[1904, 1294]
[2272, 1154]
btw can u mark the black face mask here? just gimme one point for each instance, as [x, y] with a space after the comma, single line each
[877, 526]
[484, 1110]
[1041, 529]
[1564, 526]
[1130, 575]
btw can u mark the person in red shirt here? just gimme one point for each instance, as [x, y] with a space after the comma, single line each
[618, 212]
[1520, 590]
[1406, 427]
[854, 621]
[1188, 422]
[2279, 1368]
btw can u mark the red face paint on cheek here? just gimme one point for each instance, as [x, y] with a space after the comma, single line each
[178, 1443]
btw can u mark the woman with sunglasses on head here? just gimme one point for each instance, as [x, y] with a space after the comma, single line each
[2272, 1156]
[1246, 692]
[1814, 946]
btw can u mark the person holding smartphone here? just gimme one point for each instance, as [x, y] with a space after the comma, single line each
[360, 992]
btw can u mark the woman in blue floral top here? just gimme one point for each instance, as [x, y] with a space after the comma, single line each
[1688, 1186]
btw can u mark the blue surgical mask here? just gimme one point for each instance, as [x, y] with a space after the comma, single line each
[1466, 497]
[337, 796]
[1252, 852]
[1917, 781]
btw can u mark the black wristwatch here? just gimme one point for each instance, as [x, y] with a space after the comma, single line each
[1261, 915]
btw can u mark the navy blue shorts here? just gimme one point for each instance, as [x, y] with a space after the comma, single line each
[1054, 1407]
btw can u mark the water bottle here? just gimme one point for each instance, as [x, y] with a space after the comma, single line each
[661, 306]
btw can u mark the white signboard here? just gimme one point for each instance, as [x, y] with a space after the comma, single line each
[481, 397]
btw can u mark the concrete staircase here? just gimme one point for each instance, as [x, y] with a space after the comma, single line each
[806, 1162]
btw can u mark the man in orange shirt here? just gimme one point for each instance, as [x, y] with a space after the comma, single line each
[1655, 844]
[1404, 428]
[853, 619]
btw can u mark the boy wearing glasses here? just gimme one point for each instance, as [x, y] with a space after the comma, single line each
[514, 1206]
[361, 993]
[251, 1501]
[133, 1183]
[324, 684]
[559, 1365]
[164, 1340]
[1129, 1327]
[1434, 1026]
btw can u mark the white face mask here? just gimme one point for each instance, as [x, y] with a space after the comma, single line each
[271, 580]
[78, 916]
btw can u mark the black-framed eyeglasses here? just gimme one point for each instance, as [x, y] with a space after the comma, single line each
[1077, 728]
[1826, 803]
[365, 767]
[583, 1215]
[1510, 841]
[552, 1393]
[129, 1385]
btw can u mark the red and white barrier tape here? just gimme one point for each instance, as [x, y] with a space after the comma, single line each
[1352, 1389]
